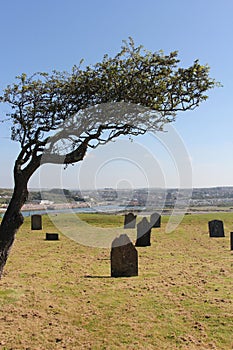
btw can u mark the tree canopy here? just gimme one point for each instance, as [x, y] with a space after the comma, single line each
[43, 102]
[56, 117]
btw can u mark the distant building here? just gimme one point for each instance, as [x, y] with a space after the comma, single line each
[46, 202]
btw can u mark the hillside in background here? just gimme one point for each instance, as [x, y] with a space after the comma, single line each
[216, 196]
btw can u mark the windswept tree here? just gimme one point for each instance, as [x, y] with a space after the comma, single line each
[57, 117]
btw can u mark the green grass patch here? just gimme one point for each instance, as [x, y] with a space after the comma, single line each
[8, 296]
[56, 295]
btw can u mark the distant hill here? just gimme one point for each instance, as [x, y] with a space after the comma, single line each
[213, 196]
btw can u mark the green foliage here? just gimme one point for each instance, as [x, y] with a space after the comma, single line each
[42, 102]
[129, 94]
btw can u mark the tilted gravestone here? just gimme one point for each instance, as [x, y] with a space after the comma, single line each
[155, 220]
[52, 237]
[216, 228]
[143, 233]
[124, 257]
[36, 222]
[130, 220]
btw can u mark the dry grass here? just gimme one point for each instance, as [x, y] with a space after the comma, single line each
[58, 295]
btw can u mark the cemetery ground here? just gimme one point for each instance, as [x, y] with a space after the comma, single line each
[59, 294]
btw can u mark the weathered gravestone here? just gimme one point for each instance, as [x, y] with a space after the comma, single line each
[124, 257]
[155, 220]
[52, 237]
[216, 228]
[130, 220]
[143, 233]
[231, 240]
[36, 222]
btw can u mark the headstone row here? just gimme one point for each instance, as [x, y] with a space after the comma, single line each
[143, 227]
[130, 220]
[36, 224]
[124, 255]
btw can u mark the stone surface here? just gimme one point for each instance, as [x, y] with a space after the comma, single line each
[143, 233]
[52, 237]
[130, 220]
[231, 240]
[155, 220]
[36, 222]
[124, 257]
[216, 228]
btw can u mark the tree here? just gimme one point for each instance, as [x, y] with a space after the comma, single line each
[146, 89]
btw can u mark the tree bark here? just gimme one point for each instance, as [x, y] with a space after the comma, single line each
[13, 218]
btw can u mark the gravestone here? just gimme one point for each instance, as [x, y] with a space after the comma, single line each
[155, 220]
[52, 237]
[143, 233]
[216, 228]
[124, 257]
[36, 222]
[231, 240]
[130, 220]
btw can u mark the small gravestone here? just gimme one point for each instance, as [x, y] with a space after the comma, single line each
[216, 228]
[143, 233]
[231, 240]
[36, 222]
[124, 257]
[130, 220]
[155, 220]
[52, 237]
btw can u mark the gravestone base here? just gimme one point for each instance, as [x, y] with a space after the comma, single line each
[52, 237]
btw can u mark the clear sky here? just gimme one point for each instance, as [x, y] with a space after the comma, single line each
[56, 34]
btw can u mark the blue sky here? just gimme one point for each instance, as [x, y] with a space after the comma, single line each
[46, 35]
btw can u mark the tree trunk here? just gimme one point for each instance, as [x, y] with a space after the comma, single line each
[12, 219]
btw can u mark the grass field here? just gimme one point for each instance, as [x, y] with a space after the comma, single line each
[58, 294]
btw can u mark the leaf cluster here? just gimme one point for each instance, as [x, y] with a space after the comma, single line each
[151, 81]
